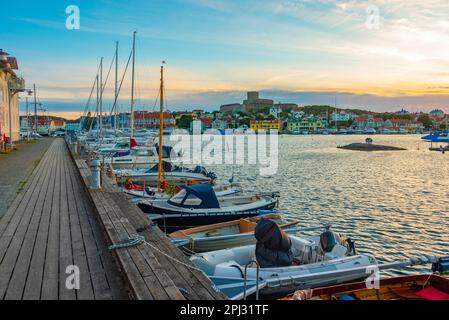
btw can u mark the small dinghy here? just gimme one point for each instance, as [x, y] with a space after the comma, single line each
[198, 205]
[224, 235]
[417, 287]
[281, 263]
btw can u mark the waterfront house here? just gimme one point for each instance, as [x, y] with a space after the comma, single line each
[10, 86]
[368, 122]
[151, 120]
[219, 124]
[437, 113]
[404, 124]
[312, 124]
[275, 111]
[206, 122]
[257, 125]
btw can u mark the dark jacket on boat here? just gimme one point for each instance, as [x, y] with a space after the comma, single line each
[273, 248]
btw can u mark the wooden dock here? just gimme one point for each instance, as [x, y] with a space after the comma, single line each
[56, 222]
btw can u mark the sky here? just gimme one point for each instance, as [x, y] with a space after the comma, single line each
[380, 55]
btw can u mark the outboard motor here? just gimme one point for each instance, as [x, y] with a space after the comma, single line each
[328, 240]
[273, 248]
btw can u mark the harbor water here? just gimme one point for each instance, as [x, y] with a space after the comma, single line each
[394, 204]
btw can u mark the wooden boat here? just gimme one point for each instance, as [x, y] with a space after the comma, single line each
[223, 235]
[416, 287]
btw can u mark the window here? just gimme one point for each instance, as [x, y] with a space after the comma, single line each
[192, 200]
[177, 198]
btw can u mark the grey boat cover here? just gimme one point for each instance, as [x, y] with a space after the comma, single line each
[273, 248]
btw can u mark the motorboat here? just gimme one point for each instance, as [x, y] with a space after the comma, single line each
[237, 271]
[199, 205]
[370, 131]
[139, 191]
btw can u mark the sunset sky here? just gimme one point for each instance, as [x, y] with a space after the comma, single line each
[303, 51]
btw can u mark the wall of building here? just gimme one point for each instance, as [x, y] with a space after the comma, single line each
[4, 109]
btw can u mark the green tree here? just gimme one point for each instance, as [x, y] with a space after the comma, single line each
[184, 121]
[426, 121]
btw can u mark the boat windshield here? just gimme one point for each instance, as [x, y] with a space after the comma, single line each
[177, 198]
[191, 200]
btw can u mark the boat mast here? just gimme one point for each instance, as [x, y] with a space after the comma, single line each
[101, 97]
[161, 129]
[115, 86]
[98, 102]
[35, 110]
[132, 85]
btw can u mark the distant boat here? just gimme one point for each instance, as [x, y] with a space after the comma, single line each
[370, 131]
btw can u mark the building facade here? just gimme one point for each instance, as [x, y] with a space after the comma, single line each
[257, 125]
[10, 86]
[144, 119]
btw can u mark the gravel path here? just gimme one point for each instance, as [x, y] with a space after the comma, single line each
[16, 167]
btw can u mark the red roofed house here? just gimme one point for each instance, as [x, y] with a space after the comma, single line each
[408, 125]
[367, 122]
[145, 119]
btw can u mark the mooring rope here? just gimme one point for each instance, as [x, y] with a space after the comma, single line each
[132, 241]
[173, 259]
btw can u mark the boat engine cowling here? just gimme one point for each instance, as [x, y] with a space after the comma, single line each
[328, 240]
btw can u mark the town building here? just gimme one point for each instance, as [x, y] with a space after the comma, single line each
[275, 111]
[403, 124]
[312, 124]
[219, 124]
[10, 86]
[342, 116]
[437, 113]
[255, 104]
[45, 125]
[368, 122]
[257, 125]
[145, 119]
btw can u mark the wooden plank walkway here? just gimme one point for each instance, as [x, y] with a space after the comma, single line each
[156, 269]
[50, 226]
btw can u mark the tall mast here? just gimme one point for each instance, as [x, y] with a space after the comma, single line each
[115, 85]
[161, 129]
[28, 120]
[35, 109]
[101, 96]
[98, 101]
[132, 85]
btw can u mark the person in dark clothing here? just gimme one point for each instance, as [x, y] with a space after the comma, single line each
[273, 248]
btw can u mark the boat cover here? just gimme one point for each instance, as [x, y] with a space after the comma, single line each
[203, 191]
[273, 248]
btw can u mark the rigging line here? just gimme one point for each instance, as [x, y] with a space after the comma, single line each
[93, 87]
[121, 81]
[89, 99]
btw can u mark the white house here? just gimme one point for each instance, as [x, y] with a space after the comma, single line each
[275, 111]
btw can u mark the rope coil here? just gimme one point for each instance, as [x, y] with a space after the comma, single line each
[132, 241]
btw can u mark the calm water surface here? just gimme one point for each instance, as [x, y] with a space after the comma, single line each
[394, 204]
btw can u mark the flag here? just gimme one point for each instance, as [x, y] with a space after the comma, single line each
[132, 143]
